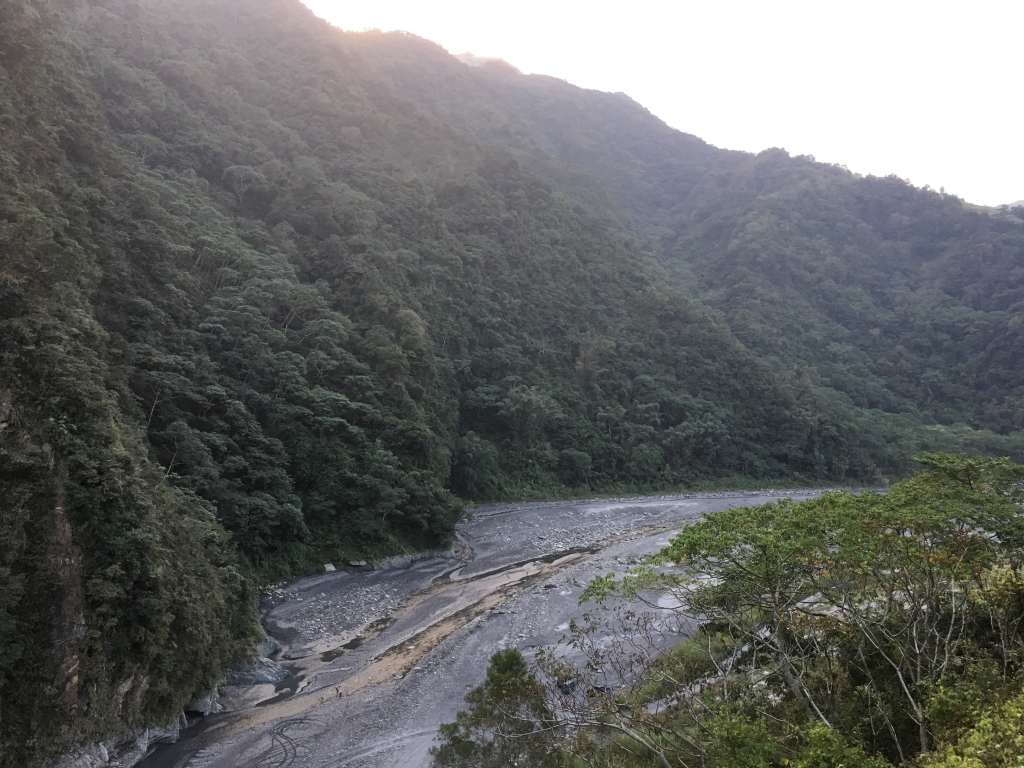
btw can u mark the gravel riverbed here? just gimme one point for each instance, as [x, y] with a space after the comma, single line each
[402, 645]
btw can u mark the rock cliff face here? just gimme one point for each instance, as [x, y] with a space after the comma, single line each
[124, 750]
[69, 626]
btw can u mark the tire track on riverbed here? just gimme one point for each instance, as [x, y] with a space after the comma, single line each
[384, 745]
[282, 750]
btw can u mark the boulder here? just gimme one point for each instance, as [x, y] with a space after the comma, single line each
[204, 705]
[123, 751]
[255, 670]
[268, 647]
[166, 735]
[132, 751]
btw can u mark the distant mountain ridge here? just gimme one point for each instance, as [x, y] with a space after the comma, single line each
[698, 204]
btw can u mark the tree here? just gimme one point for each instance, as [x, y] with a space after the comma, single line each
[508, 723]
[850, 612]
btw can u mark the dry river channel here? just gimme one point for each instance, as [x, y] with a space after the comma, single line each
[379, 658]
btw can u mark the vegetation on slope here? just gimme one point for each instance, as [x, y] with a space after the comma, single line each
[903, 300]
[851, 630]
[259, 313]
[885, 308]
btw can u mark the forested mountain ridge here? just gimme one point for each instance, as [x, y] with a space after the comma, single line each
[235, 344]
[901, 300]
[905, 300]
[274, 295]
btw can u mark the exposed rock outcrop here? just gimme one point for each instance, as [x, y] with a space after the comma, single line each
[122, 752]
[256, 670]
[205, 704]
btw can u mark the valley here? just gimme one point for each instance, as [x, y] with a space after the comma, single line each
[275, 295]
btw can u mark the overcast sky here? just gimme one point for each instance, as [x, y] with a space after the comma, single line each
[930, 91]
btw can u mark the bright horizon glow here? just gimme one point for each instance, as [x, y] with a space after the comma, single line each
[928, 91]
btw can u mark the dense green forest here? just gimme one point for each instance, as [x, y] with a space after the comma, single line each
[274, 295]
[881, 306]
[849, 631]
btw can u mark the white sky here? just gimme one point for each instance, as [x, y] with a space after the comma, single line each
[930, 91]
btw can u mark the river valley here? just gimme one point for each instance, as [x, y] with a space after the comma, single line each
[379, 658]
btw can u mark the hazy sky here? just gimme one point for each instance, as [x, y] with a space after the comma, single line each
[930, 91]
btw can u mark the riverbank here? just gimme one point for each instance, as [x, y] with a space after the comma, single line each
[401, 645]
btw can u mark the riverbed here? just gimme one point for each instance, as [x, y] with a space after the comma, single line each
[380, 657]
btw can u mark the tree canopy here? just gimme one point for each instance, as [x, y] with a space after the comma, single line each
[850, 630]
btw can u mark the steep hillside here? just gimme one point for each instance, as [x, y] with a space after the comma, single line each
[904, 300]
[603, 149]
[259, 312]
[273, 295]
[879, 300]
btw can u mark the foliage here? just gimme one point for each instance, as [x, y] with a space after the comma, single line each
[880, 307]
[507, 723]
[995, 740]
[849, 630]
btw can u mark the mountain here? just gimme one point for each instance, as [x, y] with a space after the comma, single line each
[887, 298]
[274, 295]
